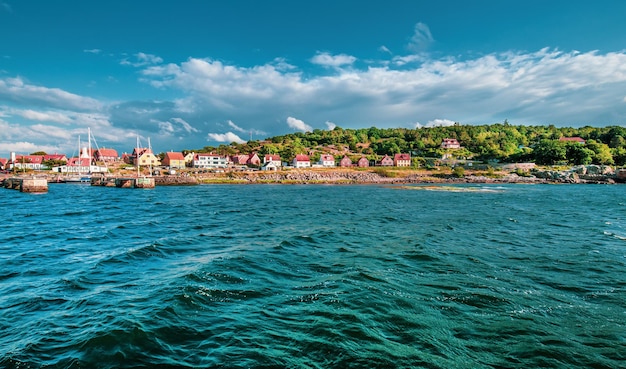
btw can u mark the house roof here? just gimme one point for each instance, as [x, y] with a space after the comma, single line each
[34, 159]
[107, 152]
[572, 139]
[327, 157]
[78, 162]
[272, 157]
[402, 157]
[302, 157]
[54, 157]
[174, 155]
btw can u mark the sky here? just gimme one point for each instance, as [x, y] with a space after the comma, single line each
[186, 74]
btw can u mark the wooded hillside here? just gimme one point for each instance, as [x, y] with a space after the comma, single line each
[502, 142]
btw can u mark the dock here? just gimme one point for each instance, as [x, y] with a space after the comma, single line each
[124, 182]
[32, 185]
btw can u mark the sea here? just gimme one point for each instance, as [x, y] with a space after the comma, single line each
[314, 276]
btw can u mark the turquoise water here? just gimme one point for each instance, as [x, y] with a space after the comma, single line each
[312, 276]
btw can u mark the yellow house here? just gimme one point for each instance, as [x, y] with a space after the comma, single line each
[144, 157]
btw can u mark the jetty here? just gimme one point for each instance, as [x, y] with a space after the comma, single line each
[124, 182]
[34, 185]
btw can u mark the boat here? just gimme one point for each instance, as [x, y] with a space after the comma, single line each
[86, 154]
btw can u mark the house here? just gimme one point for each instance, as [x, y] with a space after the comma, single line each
[33, 162]
[327, 160]
[174, 160]
[345, 162]
[210, 160]
[402, 160]
[386, 161]
[105, 155]
[450, 143]
[143, 156]
[55, 157]
[253, 159]
[573, 139]
[302, 161]
[189, 158]
[272, 158]
[3, 163]
[363, 162]
[271, 166]
[239, 159]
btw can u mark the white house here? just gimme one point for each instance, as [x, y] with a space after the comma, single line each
[302, 161]
[209, 161]
[327, 160]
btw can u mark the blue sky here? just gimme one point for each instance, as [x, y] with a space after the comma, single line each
[188, 74]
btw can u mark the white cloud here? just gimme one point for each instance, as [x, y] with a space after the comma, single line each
[6, 7]
[92, 51]
[225, 137]
[421, 39]
[236, 127]
[18, 91]
[335, 61]
[330, 125]
[298, 124]
[142, 60]
[436, 123]
[384, 49]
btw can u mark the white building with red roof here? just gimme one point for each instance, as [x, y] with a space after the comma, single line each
[301, 161]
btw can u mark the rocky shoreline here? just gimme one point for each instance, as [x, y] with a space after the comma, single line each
[342, 176]
[578, 175]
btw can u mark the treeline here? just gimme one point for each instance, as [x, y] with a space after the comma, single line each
[503, 142]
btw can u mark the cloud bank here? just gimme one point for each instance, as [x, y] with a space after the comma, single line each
[547, 86]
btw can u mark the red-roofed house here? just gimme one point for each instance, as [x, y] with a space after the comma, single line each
[327, 160]
[239, 159]
[34, 162]
[253, 159]
[345, 162]
[302, 161]
[272, 158]
[3, 163]
[105, 155]
[450, 143]
[402, 160]
[57, 157]
[174, 160]
[573, 139]
[386, 161]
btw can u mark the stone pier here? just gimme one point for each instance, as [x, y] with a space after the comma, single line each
[27, 184]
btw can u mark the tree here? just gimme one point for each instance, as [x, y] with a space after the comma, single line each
[549, 152]
[40, 153]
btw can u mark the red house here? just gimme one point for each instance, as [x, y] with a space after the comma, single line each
[363, 163]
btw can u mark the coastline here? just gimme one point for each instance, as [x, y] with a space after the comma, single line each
[340, 176]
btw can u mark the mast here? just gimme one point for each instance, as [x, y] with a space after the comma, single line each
[137, 156]
[89, 147]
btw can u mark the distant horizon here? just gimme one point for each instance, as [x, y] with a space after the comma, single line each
[195, 74]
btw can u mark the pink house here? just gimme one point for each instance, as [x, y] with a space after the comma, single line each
[345, 162]
[253, 159]
[363, 162]
[386, 161]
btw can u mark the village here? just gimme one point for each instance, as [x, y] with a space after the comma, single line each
[104, 160]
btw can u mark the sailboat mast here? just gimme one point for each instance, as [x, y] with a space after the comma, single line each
[89, 147]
